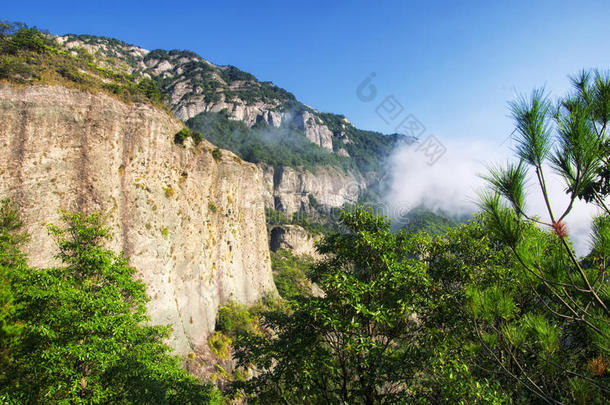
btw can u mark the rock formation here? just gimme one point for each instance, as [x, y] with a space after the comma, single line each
[294, 239]
[289, 190]
[193, 225]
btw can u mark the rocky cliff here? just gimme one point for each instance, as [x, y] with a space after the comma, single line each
[311, 161]
[289, 190]
[294, 239]
[195, 85]
[193, 224]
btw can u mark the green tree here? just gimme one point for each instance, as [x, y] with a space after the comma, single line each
[84, 336]
[15, 37]
[464, 257]
[361, 342]
[10, 260]
[547, 327]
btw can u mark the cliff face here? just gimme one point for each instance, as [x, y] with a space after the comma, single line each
[196, 85]
[295, 239]
[197, 88]
[192, 225]
[289, 190]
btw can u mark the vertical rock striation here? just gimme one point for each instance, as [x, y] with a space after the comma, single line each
[192, 225]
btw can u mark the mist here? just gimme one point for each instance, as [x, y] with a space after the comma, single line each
[451, 185]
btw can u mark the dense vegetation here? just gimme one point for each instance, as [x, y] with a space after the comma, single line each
[423, 220]
[262, 144]
[29, 56]
[291, 274]
[288, 146]
[499, 310]
[78, 333]
[321, 220]
[369, 149]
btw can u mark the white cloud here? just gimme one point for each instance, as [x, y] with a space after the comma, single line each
[451, 184]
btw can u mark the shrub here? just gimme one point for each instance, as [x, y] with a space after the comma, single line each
[150, 90]
[169, 191]
[184, 133]
[217, 154]
[290, 274]
[14, 69]
[181, 136]
[234, 319]
[313, 201]
[220, 345]
[25, 39]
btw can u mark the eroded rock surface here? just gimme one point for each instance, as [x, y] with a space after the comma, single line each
[193, 226]
[295, 239]
[289, 190]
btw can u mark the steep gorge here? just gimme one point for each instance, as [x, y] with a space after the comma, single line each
[190, 221]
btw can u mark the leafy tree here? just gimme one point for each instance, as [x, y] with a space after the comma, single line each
[18, 36]
[465, 257]
[357, 344]
[10, 259]
[184, 133]
[547, 326]
[84, 336]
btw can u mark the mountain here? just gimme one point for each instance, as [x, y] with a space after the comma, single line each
[91, 124]
[302, 151]
[190, 217]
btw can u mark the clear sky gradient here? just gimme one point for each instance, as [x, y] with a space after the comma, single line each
[452, 66]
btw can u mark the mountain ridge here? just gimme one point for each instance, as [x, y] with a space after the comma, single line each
[197, 86]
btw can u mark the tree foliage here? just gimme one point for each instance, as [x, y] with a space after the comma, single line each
[550, 332]
[392, 326]
[11, 259]
[83, 334]
[355, 344]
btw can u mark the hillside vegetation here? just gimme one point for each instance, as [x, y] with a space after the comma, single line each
[29, 56]
[283, 146]
[78, 333]
[496, 311]
[186, 79]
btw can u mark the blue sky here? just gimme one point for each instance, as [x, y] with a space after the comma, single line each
[453, 66]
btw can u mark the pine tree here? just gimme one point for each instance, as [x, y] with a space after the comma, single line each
[550, 331]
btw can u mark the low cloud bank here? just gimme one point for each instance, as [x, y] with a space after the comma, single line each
[451, 184]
